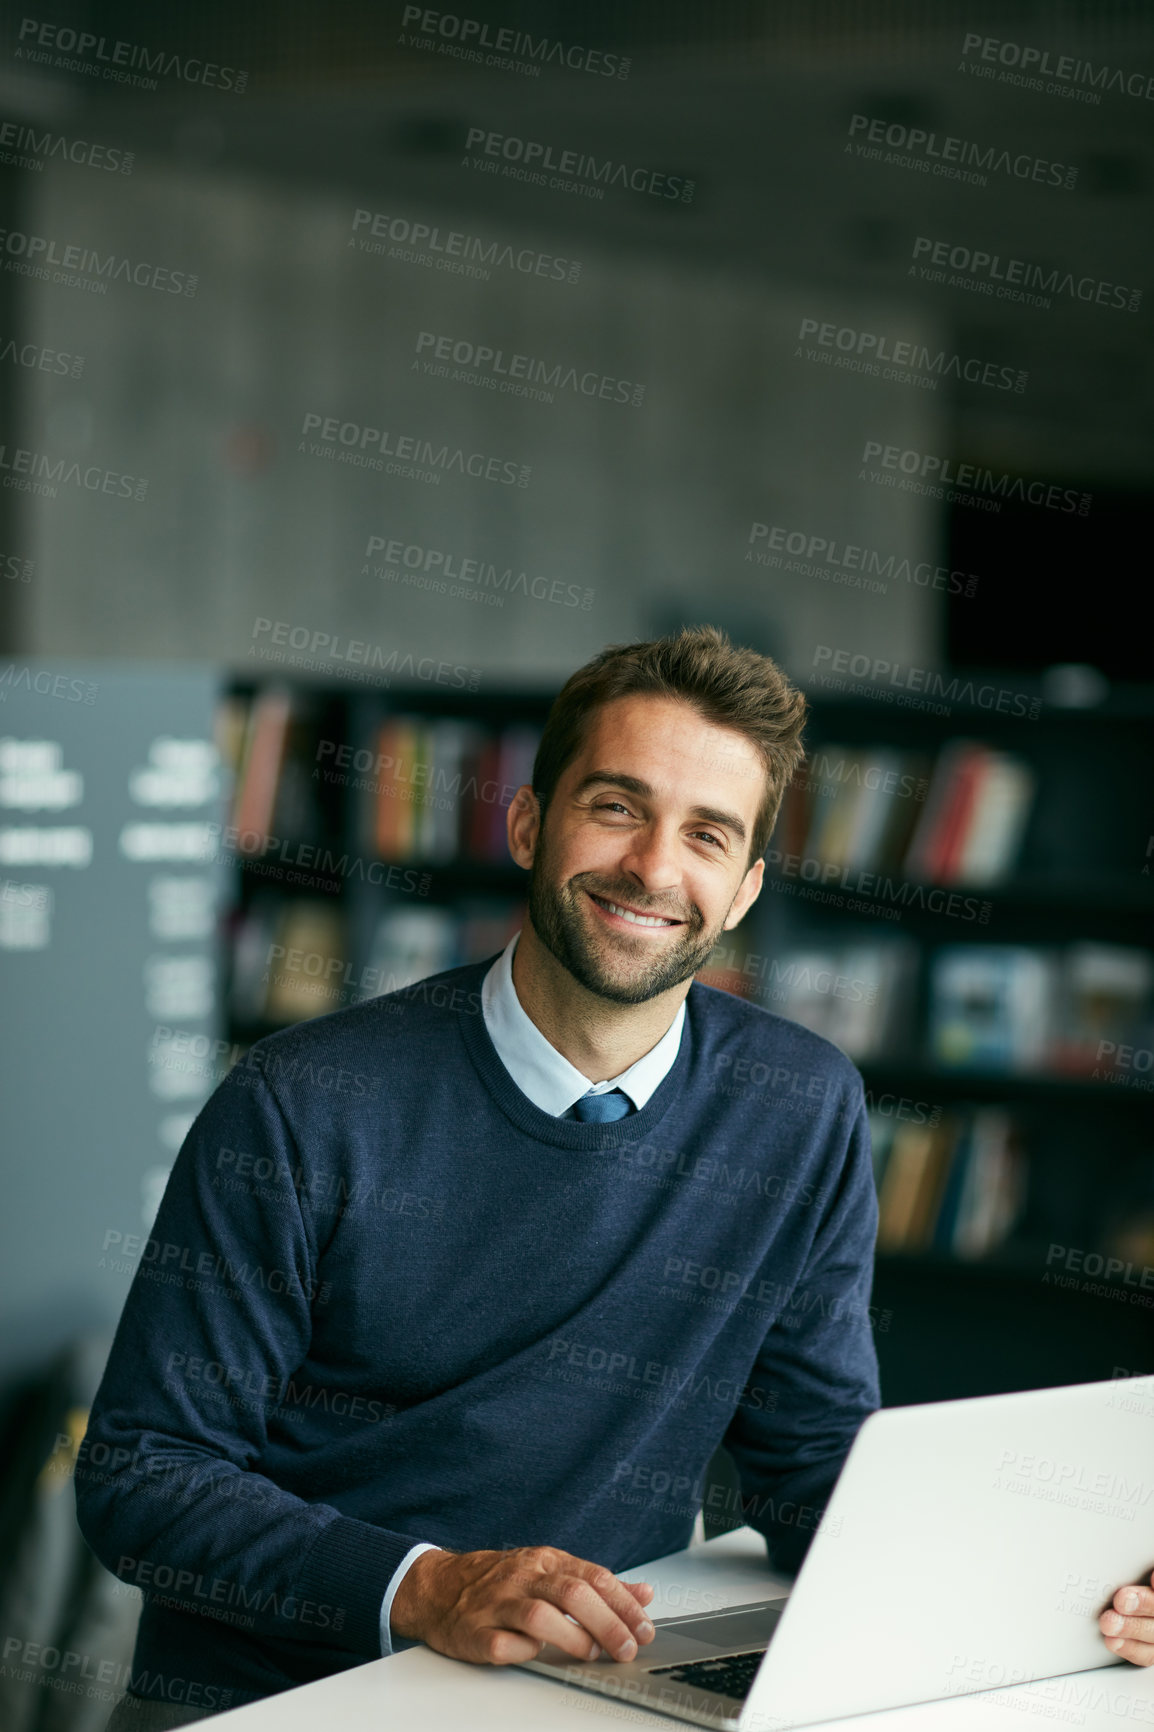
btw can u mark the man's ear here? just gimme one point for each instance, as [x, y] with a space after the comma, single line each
[523, 825]
[746, 896]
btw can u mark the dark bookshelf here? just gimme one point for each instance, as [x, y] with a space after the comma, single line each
[969, 1324]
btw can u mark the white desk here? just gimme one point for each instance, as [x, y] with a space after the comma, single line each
[425, 1691]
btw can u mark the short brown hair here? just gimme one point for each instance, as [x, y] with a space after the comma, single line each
[733, 687]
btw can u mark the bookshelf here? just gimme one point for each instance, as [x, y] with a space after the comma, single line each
[1018, 997]
[960, 901]
[388, 811]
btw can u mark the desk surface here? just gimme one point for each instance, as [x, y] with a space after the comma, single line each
[431, 1693]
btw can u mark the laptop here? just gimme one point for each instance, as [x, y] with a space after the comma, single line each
[968, 1545]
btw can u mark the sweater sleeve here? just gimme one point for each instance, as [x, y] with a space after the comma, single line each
[815, 1380]
[169, 1491]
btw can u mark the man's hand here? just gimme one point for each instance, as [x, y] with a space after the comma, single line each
[495, 1608]
[1129, 1628]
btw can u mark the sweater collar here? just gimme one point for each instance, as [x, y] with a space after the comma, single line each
[546, 1127]
[543, 1073]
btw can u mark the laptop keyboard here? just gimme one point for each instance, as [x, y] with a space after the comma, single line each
[731, 1676]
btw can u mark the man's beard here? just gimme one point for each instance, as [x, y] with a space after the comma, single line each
[562, 926]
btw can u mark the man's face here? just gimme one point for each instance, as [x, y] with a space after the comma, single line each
[653, 818]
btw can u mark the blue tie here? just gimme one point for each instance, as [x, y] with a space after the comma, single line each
[599, 1109]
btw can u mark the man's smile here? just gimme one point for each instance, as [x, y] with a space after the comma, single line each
[619, 915]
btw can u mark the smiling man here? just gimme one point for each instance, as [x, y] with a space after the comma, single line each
[585, 1219]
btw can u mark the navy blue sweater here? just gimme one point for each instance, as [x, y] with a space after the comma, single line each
[388, 1299]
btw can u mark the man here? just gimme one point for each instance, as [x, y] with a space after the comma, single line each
[457, 1291]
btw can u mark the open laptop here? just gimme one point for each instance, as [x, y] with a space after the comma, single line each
[968, 1545]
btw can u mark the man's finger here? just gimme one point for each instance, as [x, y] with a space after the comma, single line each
[567, 1614]
[1133, 1597]
[1113, 1625]
[1138, 1653]
[503, 1647]
[626, 1601]
[603, 1608]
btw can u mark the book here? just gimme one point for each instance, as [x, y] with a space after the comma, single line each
[859, 995]
[873, 812]
[266, 735]
[1105, 1001]
[253, 934]
[483, 797]
[853, 808]
[993, 1189]
[971, 828]
[911, 1186]
[945, 848]
[924, 842]
[834, 802]
[304, 964]
[408, 945]
[396, 752]
[956, 1188]
[991, 1006]
[1003, 804]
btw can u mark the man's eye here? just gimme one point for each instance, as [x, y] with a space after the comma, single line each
[607, 805]
[710, 837]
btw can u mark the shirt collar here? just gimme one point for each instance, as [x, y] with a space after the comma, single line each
[535, 1065]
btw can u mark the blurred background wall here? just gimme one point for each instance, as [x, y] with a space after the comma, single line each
[830, 324]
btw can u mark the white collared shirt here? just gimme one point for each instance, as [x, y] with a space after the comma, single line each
[535, 1065]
